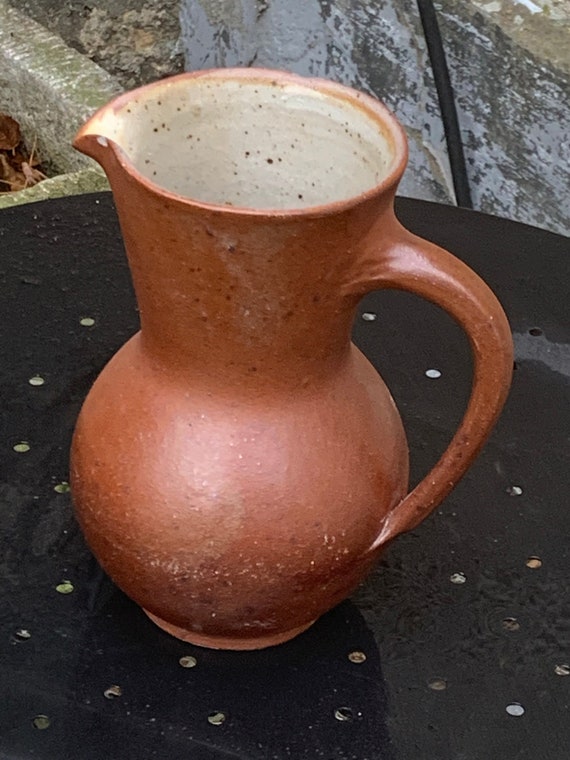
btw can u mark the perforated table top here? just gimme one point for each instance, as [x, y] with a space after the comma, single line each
[458, 645]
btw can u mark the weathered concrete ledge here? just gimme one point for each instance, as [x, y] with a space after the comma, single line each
[71, 183]
[137, 41]
[50, 89]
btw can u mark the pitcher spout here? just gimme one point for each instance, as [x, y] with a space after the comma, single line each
[97, 147]
[92, 145]
[100, 137]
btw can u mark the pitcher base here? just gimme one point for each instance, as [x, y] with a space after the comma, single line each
[223, 642]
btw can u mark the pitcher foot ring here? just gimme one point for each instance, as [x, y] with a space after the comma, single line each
[224, 642]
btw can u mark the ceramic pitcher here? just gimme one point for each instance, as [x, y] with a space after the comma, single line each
[239, 465]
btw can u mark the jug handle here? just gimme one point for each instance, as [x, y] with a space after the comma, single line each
[410, 263]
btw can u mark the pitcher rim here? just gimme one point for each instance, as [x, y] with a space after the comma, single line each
[372, 105]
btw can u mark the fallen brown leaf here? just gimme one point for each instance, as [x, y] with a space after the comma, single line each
[10, 135]
[9, 176]
[17, 168]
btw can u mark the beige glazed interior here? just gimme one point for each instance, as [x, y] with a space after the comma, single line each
[255, 143]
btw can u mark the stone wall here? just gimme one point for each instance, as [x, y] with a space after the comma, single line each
[377, 47]
[509, 65]
[511, 70]
[509, 61]
[135, 40]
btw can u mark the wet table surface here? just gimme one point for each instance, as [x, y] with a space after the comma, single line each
[458, 645]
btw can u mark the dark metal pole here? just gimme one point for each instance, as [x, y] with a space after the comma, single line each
[446, 103]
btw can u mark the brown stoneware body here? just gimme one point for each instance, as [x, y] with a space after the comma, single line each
[238, 465]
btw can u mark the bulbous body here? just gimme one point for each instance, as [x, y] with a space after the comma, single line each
[238, 522]
[239, 464]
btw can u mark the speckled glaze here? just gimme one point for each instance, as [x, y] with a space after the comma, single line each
[238, 465]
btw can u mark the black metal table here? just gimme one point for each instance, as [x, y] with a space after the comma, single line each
[457, 647]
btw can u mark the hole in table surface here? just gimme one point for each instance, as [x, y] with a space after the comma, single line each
[65, 587]
[113, 691]
[510, 624]
[357, 656]
[535, 331]
[41, 722]
[22, 634]
[188, 661]
[344, 714]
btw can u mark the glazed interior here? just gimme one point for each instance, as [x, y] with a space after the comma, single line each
[256, 143]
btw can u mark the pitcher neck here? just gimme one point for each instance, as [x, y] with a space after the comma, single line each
[244, 293]
[228, 294]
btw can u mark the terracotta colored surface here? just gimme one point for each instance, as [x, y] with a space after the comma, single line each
[239, 464]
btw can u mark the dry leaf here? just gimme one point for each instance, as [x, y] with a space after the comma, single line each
[15, 180]
[33, 176]
[10, 135]
[17, 169]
